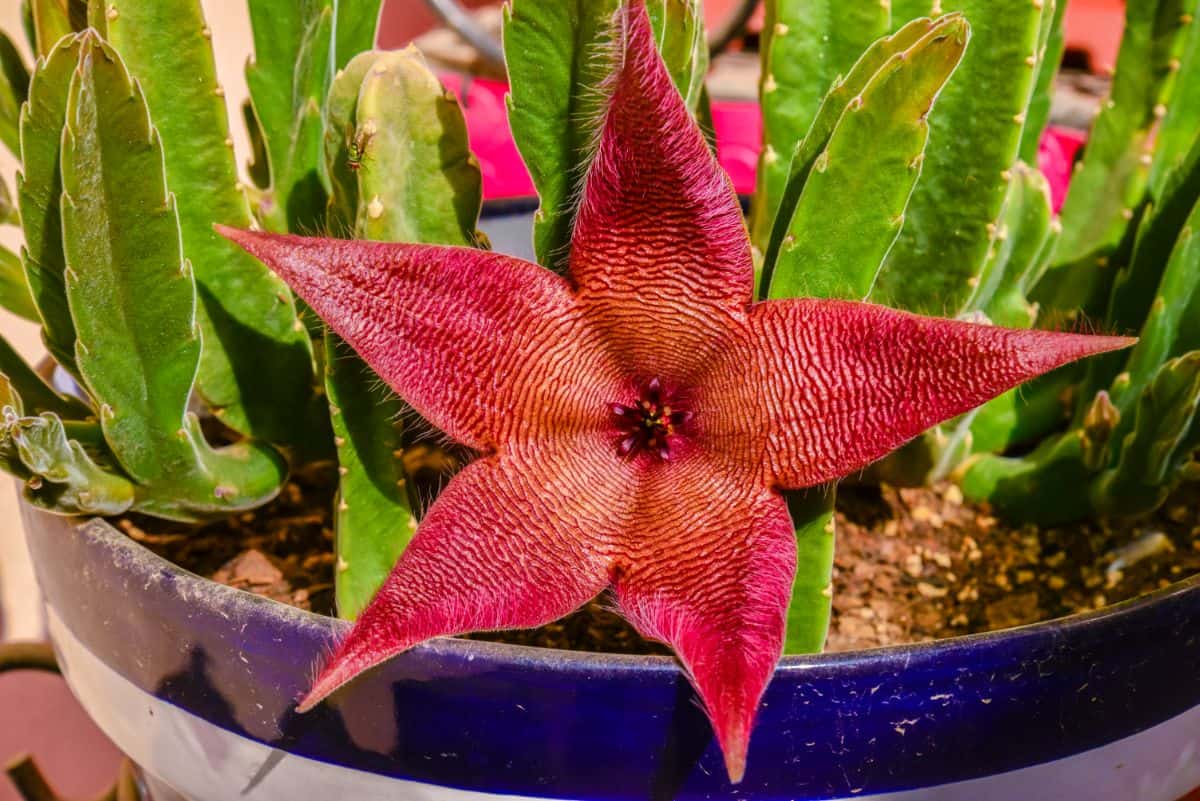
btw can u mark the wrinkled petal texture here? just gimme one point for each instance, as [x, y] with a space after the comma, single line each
[827, 387]
[528, 367]
[710, 561]
[486, 347]
[660, 254]
[510, 543]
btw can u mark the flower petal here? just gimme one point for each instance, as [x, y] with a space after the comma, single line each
[482, 345]
[713, 580]
[827, 387]
[514, 541]
[660, 251]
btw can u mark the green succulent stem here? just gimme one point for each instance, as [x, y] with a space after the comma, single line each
[256, 368]
[555, 54]
[132, 298]
[400, 169]
[1110, 185]
[806, 150]
[558, 56]
[298, 48]
[14, 89]
[680, 36]
[36, 395]
[975, 138]
[54, 19]
[1052, 44]
[811, 605]
[806, 46]
[39, 189]
[848, 188]
[14, 288]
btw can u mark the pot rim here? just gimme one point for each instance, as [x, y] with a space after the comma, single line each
[530, 655]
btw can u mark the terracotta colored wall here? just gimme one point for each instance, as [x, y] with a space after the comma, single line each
[404, 20]
[1092, 25]
[1095, 26]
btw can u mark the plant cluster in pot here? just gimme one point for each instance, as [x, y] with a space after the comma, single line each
[655, 414]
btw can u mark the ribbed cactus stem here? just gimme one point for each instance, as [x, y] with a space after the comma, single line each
[1046, 61]
[1157, 445]
[1109, 187]
[680, 37]
[52, 20]
[297, 50]
[850, 205]
[14, 88]
[133, 299]
[256, 369]
[1177, 130]
[806, 48]
[399, 169]
[975, 134]
[39, 189]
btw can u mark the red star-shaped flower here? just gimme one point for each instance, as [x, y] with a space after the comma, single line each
[638, 418]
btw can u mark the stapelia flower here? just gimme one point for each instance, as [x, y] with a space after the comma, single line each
[637, 419]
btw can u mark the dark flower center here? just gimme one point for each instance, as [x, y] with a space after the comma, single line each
[651, 424]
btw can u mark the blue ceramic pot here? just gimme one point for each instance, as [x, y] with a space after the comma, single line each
[197, 682]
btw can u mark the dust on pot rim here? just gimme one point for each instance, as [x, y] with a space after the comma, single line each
[549, 724]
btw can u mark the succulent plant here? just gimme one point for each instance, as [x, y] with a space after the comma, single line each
[1115, 437]
[661, 405]
[637, 416]
[979, 238]
[126, 303]
[1125, 261]
[138, 145]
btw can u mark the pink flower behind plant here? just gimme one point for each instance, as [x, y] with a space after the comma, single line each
[1056, 159]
